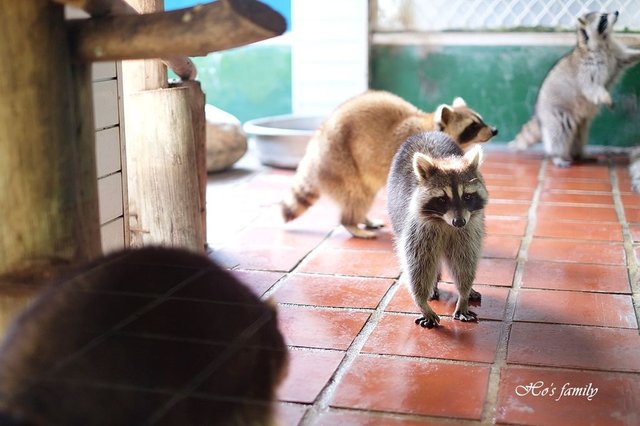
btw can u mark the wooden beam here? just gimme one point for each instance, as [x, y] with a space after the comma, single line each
[193, 31]
[48, 187]
[181, 65]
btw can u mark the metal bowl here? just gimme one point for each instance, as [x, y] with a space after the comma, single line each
[281, 141]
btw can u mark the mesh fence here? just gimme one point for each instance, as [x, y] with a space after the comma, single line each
[483, 15]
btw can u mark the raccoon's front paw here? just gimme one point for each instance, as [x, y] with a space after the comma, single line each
[603, 98]
[428, 321]
[561, 162]
[465, 316]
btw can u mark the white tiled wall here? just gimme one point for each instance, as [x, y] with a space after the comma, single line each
[109, 143]
[107, 111]
[329, 53]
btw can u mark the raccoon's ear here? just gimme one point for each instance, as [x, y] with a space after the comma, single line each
[582, 21]
[474, 156]
[459, 102]
[423, 166]
[442, 116]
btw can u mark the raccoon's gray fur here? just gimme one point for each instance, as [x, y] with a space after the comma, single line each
[436, 199]
[634, 168]
[574, 89]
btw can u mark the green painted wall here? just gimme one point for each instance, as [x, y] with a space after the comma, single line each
[500, 82]
[248, 82]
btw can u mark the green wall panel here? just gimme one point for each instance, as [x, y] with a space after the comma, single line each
[500, 82]
[249, 82]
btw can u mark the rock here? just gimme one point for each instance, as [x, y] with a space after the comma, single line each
[226, 142]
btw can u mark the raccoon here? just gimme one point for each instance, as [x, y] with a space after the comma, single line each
[349, 157]
[634, 168]
[575, 88]
[436, 198]
[79, 356]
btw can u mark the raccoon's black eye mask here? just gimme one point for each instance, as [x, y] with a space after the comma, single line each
[584, 34]
[602, 25]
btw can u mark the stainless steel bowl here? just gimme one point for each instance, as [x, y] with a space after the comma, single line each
[281, 140]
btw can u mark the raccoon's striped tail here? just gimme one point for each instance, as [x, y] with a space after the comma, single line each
[302, 196]
[529, 134]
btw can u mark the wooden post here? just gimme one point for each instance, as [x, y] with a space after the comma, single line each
[151, 74]
[144, 74]
[48, 188]
[167, 200]
[197, 102]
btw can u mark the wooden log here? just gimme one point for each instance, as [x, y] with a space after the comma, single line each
[48, 187]
[143, 74]
[163, 161]
[181, 65]
[197, 102]
[193, 31]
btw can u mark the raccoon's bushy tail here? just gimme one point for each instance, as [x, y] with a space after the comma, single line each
[302, 195]
[529, 134]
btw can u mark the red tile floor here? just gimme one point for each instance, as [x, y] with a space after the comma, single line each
[557, 341]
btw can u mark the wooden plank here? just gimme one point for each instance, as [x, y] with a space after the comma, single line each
[110, 195]
[113, 236]
[108, 155]
[105, 105]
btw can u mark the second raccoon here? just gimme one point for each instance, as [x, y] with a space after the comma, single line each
[349, 157]
[436, 199]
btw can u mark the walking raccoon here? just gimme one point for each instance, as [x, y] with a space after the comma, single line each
[436, 198]
[349, 157]
[574, 89]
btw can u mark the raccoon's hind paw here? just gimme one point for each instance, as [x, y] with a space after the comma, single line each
[517, 145]
[467, 316]
[561, 163]
[435, 294]
[360, 233]
[373, 223]
[429, 321]
[474, 295]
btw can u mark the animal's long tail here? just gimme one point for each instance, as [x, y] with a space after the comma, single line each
[302, 195]
[529, 134]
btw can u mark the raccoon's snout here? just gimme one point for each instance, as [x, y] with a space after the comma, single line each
[494, 131]
[458, 222]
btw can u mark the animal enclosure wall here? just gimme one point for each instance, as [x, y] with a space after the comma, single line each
[431, 54]
[107, 107]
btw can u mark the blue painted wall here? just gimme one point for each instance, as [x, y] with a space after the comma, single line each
[251, 81]
[282, 6]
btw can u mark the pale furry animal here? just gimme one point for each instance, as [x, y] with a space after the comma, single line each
[81, 354]
[349, 157]
[634, 168]
[575, 88]
[436, 198]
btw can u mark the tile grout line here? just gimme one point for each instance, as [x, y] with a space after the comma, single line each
[322, 402]
[627, 241]
[489, 411]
